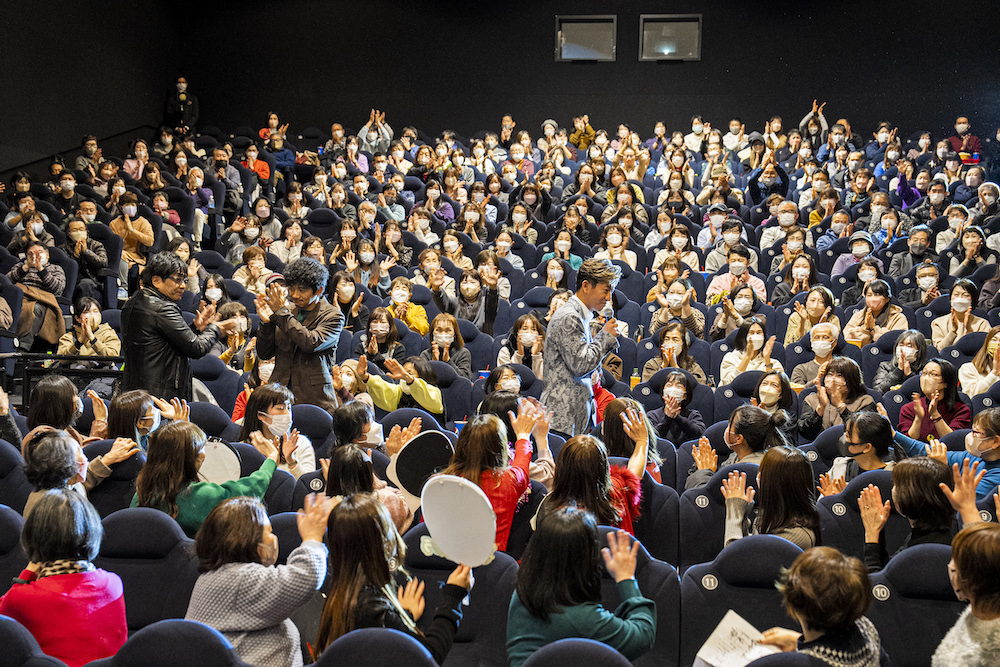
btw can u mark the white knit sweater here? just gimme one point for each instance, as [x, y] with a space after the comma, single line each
[970, 643]
[250, 604]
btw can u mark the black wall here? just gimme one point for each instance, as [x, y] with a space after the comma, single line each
[70, 68]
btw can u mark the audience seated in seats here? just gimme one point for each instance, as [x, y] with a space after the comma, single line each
[54, 403]
[840, 393]
[89, 337]
[878, 315]
[391, 243]
[268, 416]
[675, 300]
[303, 341]
[785, 507]
[242, 593]
[680, 246]
[312, 248]
[478, 301]
[292, 203]
[614, 245]
[675, 421]
[919, 251]
[260, 374]
[488, 262]
[369, 588]
[556, 273]
[840, 227]
[482, 457]
[169, 480]
[751, 352]
[989, 296]
[447, 345]
[862, 246]
[750, 433]
[724, 284]
[937, 410]
[786, 219]
[922, 487]
[947, 329]
[137, 236]
[420, 226]
[54, 460]
[737, 307]
[869, 269]
[363, 264]
[969, 253]
[354, 422]
[500, 403]
[982, 446]
[865, 445]
[908, 359]
[674, 340]
[562, 244]
[215, 292]
[800, 277]
[818, 308]
[975, 637]
[350, 471]
[41, 282]
[978, 375]
[430, 264]
[471, 220]
[75, 611]
[732, 235]
[89, 254]
[196, 273]
[524, 345]
[253, 275]
[412, 314]
[828, 593]
[928, 288]
[558, 591]
[415, 386]
[237, 350]
[503, 244]
[348, 299]
[774, 393]
[823, 338]
[454, 250]
[242, 234]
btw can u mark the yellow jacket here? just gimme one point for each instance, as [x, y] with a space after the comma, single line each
[416, 318]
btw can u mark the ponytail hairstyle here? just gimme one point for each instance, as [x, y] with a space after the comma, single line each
[759, 428]
[871, 427]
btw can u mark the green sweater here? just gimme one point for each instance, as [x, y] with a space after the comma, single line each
[195, 502]
[631, 629]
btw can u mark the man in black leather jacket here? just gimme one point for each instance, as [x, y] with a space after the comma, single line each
[158, 342]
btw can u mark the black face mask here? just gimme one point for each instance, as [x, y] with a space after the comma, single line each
[676, 206]
[845, 447]
[221, 164]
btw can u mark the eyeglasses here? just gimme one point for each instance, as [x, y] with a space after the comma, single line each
[177, 278]
[930, 374]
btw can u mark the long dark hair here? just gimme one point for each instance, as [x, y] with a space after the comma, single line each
[759, 428]
[52, 403]
[383, 313]
[126, 410]
[583, 479]
[561, 566]
[261, 400]
[481, 446]
[848, 369]
[361, 539]
[171, 466]
[350, 472]
[873, 428]
[949, 378]
[786, 492]
[613, 429]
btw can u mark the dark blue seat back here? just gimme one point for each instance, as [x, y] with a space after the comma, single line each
[175, 642]
[115, 491]
[703, 516]
[840, 518]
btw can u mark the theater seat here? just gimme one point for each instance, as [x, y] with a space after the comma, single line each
[740, 578]
[456, 391]
[155, 560]
[703, 516]
[115, 491]
[823, 450]
[214, 421]
[221, 381]
[913, 603]
[172, 643]
[316, 424]
[520, 527]
[21, 649]
[576, 652]
[12, 558]
[840, 518]
[482, 636]
[281, 490]
[14, 486]
[377, 647]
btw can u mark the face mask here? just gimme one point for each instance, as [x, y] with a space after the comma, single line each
[936, 197]
[924, 143]
[451, 245]
[675, 392]
[295, 197]
[531, 199]
[622, 199]
[989, 200]
[213, 294]
[67, 185]
[582, 210]
[873, 303]
[555, 273]
[444, 339]
[892, 156]
[927, 283]
[853, 165]
[130, 211]
[264, 370]
[510, 176]
[887, 223]
[737, 268]
[837, 227]
[517, 218]
[955, 223]
[883, 137]
[512, 385]
[155, 425]
[961, 128]
[960, 304]
[675, 300]
[527, 338]
[800, 273]
[280, 424]
[822, 348]
[839, 139]
[867, 276]
[380, 328]
[743, 305]
[251, 232]
[251, 156]
[424, 224]
[678, 242]
[181, 86]
[731, 238]
[907, 352]
[478, 152]
[859, 250]
[348, 235]
[77, 235]
[362, 186]
[877, 210]
[918, 248]
[756, 341]
[341, 173]
[563, 246]
[675, 185]
[767, 181]
[470, 291]
[614, 240]
[517, 157]
[768, 395]
[400, 296]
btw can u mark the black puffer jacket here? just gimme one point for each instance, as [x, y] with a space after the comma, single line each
[159, 344]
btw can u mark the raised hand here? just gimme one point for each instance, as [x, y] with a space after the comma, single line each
[963, 497]
[122, 449]
[635, 426]
[620, 556]
[176, 410]
[831, 487]
[918, 406]
[411, 598]
[205, 316]
[97, 405]
[264, 312]
[523, 422]
[362, 368]
[735, 486]
[396, 371]
[874, 513]
[937, 450]
[705, 456]
[312, 518]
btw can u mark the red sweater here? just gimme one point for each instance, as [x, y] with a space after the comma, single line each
[626, 494]
[505, 488]
[74, 617]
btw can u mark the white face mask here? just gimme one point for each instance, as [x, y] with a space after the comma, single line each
[786, 219]
[973, 445]
[731, 238]
[927, 283]
[822, 348]
[743, 304]
[264, 370]
[800, 273]
[860, 250]
[614, 240]
[755, 341]
[936, 197]
[675, 392]
[443, 339]
[556, 273]
[794, 246]
[518, 218]
[737, 268]
[503, 247]
[675, 184]
[563, 246]
[380, 328]
[213, 294]
[960, 304]
[907, 352]
[867, 275]
[400, 296]
[130, 211]
[678, 242]
[78, 235]
[280, 424]
[512, 385]
[251, 232]
[366, 257]
[675, 300]
[451, 245]
[527, 338]
[198, 182]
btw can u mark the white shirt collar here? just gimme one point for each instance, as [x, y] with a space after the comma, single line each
[588, 314]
